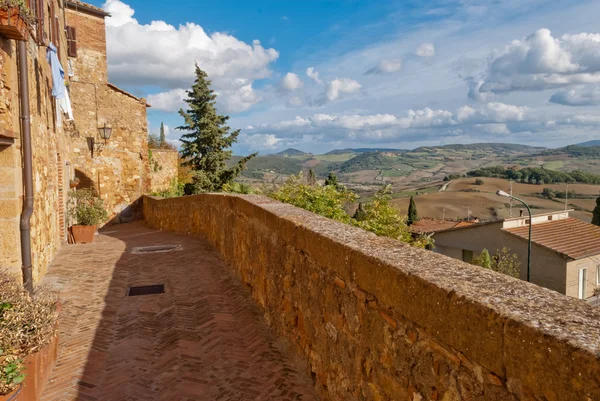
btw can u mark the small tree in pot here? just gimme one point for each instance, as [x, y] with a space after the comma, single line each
[88, 211]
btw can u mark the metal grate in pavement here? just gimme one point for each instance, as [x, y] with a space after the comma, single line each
[146, 290]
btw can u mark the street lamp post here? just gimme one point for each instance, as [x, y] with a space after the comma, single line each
[507, 195]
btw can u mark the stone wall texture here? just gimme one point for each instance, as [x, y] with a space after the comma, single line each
[50, 146]
[119, 169]
[164, 165]
[379, 320]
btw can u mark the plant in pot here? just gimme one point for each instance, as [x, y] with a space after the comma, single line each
[88, 211]
[15, 19]
[28, 339]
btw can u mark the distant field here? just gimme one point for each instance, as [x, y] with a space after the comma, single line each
[341, 157]
[555, 165]
[486, 205]
[400, 171]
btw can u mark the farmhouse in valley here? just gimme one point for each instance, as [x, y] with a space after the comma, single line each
[565, 250]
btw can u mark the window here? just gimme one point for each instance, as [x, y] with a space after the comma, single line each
[467, 256]
[582, 283]
[72, 41]
[550, 218]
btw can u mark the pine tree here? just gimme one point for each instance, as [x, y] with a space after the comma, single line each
[206, 139]
[413, 216]
[162, 138]
[596, 213]
[331, 180]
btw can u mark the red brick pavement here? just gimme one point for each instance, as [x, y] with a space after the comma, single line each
[204, 339]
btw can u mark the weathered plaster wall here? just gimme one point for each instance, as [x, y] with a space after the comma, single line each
[164, 165]
[548, 268]
[379, 320]
[50, 144]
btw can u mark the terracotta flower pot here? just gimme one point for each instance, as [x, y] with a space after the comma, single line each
[12, 26]
[14, 396]
[38, 368]
[83, 234]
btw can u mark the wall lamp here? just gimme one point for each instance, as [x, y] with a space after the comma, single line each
[105, 132]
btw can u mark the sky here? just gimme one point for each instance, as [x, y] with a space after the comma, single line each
[318, 75]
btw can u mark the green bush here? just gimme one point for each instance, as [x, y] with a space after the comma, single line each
[86, 208]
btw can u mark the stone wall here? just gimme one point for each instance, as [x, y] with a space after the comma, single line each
[119, 169]
[379, 320]
[164, 165]
[51, 147]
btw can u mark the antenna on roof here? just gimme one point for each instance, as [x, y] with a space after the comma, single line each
[511, 200]
[567, 198]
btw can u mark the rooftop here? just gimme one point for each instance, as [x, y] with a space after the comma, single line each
[428, 225]
[80, 5]
[570, 237]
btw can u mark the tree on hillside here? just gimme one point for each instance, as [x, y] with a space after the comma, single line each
[331, 180]
[162, 137]
[360, 214]
[312, 179]
[596, 213]
[413, 216]
[207, 138]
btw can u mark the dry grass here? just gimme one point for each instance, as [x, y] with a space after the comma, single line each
[27, 323]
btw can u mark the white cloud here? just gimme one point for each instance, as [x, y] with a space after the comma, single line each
[159, 54]
[386, 67]
[541, 61]
[168, 101]
[295, 101]
[340, 87]
[291, 82]
[259, 141]
[426, 50]
[578, 96]
[314, 75]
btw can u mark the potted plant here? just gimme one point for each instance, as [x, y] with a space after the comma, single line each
[88, 211]
[15, 19]
[28, 339]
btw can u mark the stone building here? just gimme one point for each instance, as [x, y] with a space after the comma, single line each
[63, 147]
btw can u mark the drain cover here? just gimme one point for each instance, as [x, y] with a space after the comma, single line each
[156, 249]
[146, 290]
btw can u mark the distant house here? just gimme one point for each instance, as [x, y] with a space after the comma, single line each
[428, 225]
[565, 250]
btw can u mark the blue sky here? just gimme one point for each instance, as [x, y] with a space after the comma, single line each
[318, 75]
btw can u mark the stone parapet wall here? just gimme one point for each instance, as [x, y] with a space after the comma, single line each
[379, 320]
[164, 165]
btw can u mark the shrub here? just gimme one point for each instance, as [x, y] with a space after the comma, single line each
[479, 181]
[87, 209]
[25, 13]
[27, 323]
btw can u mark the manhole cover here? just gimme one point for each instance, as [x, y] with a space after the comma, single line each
[146, 290]
[156, 249]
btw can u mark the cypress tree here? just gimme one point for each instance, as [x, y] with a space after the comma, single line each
[207, 138]
[412, 212]
[312, 179]
[596, 213]
[162, 138]
[360, 214]
[331, 180]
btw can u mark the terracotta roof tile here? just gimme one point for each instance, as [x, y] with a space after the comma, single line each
[570, 237]
[426, 225]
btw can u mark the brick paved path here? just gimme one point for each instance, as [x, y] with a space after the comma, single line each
[204, 339]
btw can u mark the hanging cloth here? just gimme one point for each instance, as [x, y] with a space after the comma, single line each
[58, 74]
[64, 103]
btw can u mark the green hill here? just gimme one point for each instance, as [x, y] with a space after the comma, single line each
[291, 153]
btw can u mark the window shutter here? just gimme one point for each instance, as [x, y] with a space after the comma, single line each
[40, 22]
[72, 41]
